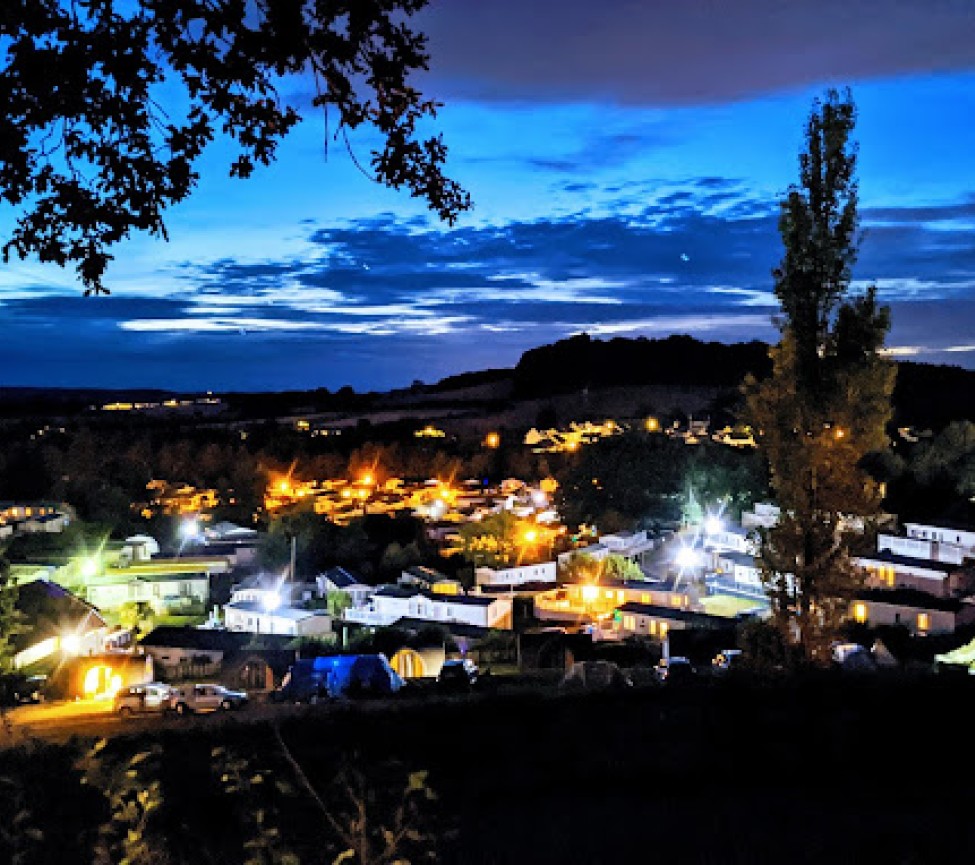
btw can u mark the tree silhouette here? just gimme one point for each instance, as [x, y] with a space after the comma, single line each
[88, 152]
[827, 402]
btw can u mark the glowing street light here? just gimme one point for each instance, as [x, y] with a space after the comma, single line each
[687, 557]
[712, 524]
[89, 568]
[70, 644]
[492, 440]
[190, 529]
[272, 601]
[531, 536]
[590, 593]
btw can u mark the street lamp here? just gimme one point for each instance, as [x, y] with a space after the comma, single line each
[687, 558]
[190, 529]
[590, 593]
[712, 524]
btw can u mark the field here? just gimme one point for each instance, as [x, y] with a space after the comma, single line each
[823, 770]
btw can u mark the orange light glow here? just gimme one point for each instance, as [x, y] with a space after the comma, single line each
[101, 682]
[492, 440]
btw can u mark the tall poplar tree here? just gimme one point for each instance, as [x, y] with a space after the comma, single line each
[827, 401]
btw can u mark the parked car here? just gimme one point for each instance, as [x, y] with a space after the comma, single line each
[17, 689]
[675, 670]
[138, 699]
[458, 674]
[189, 699]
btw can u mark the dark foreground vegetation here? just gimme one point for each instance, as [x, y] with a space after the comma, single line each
[819, 770]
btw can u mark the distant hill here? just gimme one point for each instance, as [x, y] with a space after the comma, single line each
[580, 363]
[926, 395]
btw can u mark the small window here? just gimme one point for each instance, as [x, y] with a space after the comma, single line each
[923, 622]
[645, 598]
[629, 623]
[860, 612]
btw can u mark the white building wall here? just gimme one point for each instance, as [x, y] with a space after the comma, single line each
[263, 622]
[959, 537]
[516, 576]
[384, 610]
[921, 548]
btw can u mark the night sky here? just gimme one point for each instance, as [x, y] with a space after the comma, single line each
[625, 159]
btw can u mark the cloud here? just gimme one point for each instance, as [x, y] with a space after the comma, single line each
[217, 324]
[695, 258]
[688, 52]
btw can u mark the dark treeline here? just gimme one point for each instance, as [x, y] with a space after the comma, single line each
[932, 396]
[582, 362]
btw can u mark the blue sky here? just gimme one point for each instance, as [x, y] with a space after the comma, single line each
[625, 161]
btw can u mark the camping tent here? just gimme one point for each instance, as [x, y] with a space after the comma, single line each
[962, 656]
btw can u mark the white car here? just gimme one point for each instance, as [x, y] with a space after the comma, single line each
[137, 699]
[188, 699]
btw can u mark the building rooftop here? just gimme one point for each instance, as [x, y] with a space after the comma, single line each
[293, 613]
[404, 592]
[744, 559]
[50, 610]
[341, 578]
[911, 598]
[888, 558]
[691, 617]
[208, 639]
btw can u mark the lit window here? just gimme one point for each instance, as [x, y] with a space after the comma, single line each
[609, 595]
[663, 629]
[645, 598]
[860, 612]
[923, 622]
[629, 623]
[653, 627]
[620, 596]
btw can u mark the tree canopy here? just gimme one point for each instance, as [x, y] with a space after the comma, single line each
[108, 104]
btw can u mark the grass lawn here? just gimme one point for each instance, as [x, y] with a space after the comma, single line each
[727, 605]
